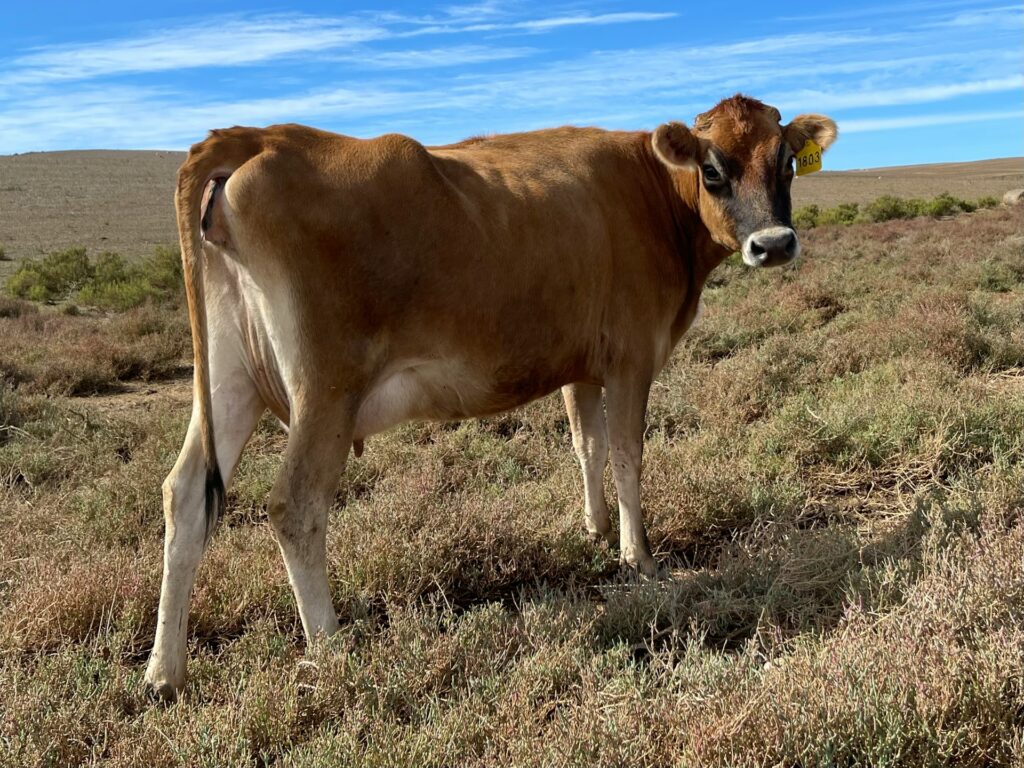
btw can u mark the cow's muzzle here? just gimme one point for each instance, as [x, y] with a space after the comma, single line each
[771, 247]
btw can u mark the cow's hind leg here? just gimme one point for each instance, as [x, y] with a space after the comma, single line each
[627, 406]
[584, 405]
[318, 443]
[236, 409]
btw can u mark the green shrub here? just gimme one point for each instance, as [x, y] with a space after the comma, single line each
[163, 271]
[53, 278]
[110, 268]
[806, 217]
[844, 213]
[116, 295]
[946, 205]
[889, 207]
[108, 282]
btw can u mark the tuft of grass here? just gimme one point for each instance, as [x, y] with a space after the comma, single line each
[69, 353]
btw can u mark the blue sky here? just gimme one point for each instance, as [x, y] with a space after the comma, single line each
[907, 81]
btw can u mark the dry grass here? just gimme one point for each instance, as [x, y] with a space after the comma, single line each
[833, 471]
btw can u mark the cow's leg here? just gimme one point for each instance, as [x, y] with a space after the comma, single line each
[318, 443]
[236, 409]
[584, 405]
[627, 407]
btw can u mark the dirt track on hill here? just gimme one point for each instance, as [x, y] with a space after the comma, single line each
[122, 201]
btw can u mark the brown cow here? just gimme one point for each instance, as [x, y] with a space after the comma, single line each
[350, 285]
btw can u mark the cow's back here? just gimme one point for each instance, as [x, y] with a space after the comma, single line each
[533, 259]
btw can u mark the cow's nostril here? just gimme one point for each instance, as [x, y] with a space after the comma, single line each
[771, 246]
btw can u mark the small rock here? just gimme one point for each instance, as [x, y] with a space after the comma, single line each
[1014, 197]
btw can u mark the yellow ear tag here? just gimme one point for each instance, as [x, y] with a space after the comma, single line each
[808, 159]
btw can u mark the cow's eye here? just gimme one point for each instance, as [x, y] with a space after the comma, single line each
[711, 174]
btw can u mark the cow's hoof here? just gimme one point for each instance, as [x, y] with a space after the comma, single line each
[644, 565]
[161, 692]
[603, 540]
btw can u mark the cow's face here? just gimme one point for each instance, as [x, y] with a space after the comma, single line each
[743, 159]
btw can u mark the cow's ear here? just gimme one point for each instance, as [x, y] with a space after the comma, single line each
[675, 146]
[818, 128]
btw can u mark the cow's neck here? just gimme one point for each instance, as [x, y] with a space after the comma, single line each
[698, 253]
[699, 245]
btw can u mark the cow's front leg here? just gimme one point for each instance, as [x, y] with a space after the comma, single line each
[584, 405]
[627, 407]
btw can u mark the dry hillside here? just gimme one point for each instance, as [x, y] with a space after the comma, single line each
[122, 201]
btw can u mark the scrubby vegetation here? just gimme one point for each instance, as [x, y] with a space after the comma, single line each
[108, 282]
[834, 479]
[887, 208]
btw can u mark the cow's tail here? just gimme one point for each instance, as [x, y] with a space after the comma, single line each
[214, 159]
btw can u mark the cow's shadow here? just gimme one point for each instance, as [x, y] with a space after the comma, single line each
[770, 584]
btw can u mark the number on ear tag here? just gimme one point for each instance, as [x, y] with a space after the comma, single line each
[808, 159]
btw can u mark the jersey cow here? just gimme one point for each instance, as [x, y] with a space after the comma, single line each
[350, 285]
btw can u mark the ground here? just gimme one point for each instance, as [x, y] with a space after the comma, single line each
[833, 484]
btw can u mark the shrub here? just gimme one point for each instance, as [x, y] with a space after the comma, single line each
[115, 295]
[888, 207]
[15, 307]
[53, 278]
[844, 213]
[110, 268]
[108, 282]
[806, 217]
[163, 272]
[946, 205]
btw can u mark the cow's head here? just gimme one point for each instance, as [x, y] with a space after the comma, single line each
[743, 158]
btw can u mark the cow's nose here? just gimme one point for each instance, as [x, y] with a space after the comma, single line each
[771, 247]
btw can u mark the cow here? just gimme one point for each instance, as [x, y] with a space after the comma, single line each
[349, 285]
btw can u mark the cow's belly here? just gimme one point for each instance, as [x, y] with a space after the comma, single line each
[436, 390]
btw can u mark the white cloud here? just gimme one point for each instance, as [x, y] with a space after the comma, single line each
[922, 121]
[221, 42]
[543, 25]
[236, 41]
[897, 96]
[431, 57]
[999, 17]
[477, 11]
[887, 11]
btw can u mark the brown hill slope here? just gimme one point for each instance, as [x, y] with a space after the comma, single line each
[122, 201]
